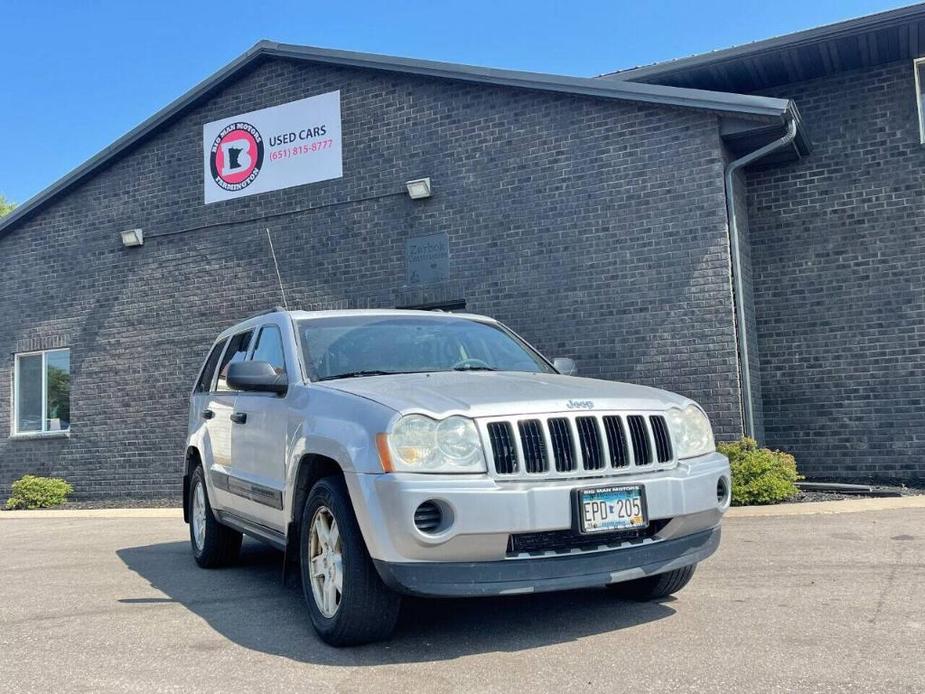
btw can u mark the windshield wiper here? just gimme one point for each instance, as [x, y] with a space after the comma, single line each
[355, 374]
[474, 368]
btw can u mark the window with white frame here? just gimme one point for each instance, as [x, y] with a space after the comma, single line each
[919, 95]
[42, 392]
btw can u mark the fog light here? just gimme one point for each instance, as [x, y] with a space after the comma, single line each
[722, 491]
[428, 517]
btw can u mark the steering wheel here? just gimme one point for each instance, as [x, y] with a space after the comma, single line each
[470, 364]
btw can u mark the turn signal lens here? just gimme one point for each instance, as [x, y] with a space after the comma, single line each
[385, 457]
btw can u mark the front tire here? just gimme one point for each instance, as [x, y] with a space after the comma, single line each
[347, 600]
[655, 587]
[214, 544]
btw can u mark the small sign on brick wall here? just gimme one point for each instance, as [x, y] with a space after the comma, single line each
[428, 259]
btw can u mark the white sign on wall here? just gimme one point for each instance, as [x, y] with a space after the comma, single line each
[273, 148]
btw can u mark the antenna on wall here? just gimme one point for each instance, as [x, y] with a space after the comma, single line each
[276, 265]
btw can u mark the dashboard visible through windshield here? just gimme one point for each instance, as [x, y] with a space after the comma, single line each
[370, 345]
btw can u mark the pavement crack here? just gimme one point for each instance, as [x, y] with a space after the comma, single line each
[887, 588]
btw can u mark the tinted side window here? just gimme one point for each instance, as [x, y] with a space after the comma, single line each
[269, 348]
[205, 380]
[237, 351]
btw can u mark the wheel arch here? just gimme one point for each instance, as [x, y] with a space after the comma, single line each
[191, 460]
[311, 468]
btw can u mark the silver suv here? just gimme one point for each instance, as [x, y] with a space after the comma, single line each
[420, 453]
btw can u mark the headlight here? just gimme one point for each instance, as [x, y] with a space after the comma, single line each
[421, 444]
[691, 432]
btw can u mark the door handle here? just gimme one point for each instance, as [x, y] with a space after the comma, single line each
[239, 417]
[207, 414]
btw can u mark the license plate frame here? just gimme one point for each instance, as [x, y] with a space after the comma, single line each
[580, 496]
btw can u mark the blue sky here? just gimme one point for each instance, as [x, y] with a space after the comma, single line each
[77, 75]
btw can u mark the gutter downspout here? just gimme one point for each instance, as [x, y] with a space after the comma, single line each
[748, 418]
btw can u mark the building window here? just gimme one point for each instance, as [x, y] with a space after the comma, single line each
[42, 392]
[919, 95]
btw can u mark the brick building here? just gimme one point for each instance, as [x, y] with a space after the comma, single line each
[618, 220]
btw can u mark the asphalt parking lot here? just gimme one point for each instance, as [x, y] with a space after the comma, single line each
[813, 603]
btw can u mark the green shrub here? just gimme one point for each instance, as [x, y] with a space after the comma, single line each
[759, 475]
[30, 491]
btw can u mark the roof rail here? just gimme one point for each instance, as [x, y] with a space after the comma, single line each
[275, 309]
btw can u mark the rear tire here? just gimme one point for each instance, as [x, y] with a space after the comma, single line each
[347, 600]
[214, 544]
[655, 587]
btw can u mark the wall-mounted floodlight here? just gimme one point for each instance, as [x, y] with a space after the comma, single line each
[132, 237]
[418, 188]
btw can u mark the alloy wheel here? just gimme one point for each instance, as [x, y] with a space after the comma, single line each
[199, 516]
[327, 567]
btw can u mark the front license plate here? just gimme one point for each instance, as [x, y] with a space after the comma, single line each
[611, 508]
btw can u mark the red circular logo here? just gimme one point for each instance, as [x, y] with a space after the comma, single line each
[236, 156]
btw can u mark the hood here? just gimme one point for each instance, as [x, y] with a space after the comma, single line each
[498, 394]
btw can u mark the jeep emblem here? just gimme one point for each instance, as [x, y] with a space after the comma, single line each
[580, 404]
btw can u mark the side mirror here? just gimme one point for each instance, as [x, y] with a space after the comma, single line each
[256, 376]
[565, 366]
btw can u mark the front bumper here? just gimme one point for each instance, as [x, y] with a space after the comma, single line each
[484, 512]
[507, 577]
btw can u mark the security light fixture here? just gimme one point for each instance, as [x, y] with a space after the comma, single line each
[132, 237]
[418, 188]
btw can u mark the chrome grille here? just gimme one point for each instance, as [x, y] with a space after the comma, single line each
[502, 447]
[642, 451]
[616, 441]
[533, 444]
[576, 445]
[589, 437]
[662, 439]
[563, 449]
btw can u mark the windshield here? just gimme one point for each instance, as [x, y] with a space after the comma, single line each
[372, 345]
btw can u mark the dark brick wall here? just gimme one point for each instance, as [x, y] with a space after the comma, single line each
[594, 228]
[838, 244]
